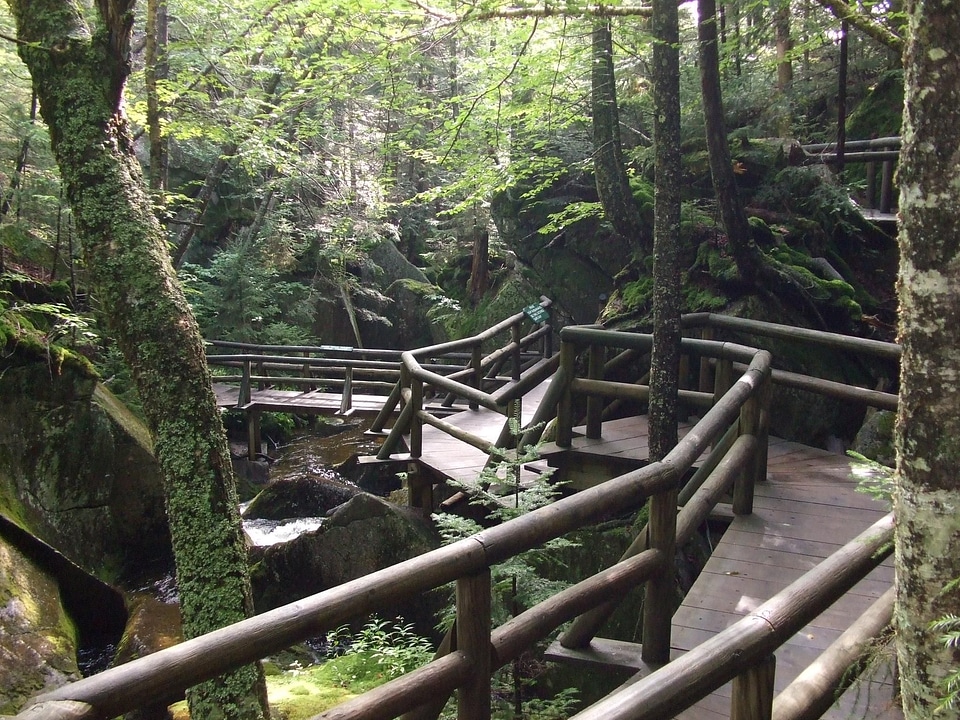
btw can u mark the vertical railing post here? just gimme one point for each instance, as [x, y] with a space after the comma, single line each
[416, 424]
[871, 192]
[705, 380]
[346, 398]
[307, 371]
[763, 427]
[475, 363]
[743, 485]
[473, 639]
[261, 385]
[568, 356]
[752, 691]
[253, 434]
[660, 589]
[517, 355]
[594, 403]
[723, 380]
[548, 338]
[886, 187]
[244, 397]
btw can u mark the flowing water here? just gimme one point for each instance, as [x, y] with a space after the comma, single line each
[310, 456]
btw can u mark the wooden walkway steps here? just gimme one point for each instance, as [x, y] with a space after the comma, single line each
[450, 458]
[807, 509]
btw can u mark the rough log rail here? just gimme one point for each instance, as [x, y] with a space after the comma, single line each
[266, 369]
[885, 151]
[734, 426]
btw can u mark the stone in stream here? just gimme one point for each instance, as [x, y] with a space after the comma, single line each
[363, 535]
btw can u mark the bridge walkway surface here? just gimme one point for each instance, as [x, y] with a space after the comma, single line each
[460, 462]
[308, 402]
[807, 509]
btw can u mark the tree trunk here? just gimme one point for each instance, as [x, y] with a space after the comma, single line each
[155, 69]
[613, 185]
[665, 362]
[19, 167]
[732, 214]
[928, 422]
[479, 281]
[78, 74]
[781, 22]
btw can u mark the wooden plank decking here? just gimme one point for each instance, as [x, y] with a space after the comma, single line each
[307, 402]
[460, 462]
[807, 509]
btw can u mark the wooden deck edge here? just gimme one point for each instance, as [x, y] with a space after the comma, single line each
[603, 654]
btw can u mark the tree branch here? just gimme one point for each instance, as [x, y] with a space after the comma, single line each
[843, 11]
[534, 12]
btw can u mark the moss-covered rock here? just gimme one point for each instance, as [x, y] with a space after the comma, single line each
[75, 468]
[874, 440]
[38, 640]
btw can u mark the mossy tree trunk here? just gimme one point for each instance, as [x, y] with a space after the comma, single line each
[613, 185]
[79, 66]
[665, 362]
[928, 421]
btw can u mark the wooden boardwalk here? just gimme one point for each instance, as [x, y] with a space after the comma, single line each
[307, 402]
[808, 508]
[460, 462]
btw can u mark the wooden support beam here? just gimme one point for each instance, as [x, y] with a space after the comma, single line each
[752, 696]
[473, 640]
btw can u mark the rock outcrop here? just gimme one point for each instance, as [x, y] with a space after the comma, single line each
[363, 535]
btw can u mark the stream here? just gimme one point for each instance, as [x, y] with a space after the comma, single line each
[310, 455]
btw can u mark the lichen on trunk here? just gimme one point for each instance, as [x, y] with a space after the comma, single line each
[78, 71]
[928, 422]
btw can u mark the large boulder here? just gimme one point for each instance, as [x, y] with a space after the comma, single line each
[76, 467]
[38, 640]
[364, 535]
[299, 497]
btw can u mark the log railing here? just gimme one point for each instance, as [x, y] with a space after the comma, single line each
[883, 151]
[471, 384]
[479, 649]
[734, 426]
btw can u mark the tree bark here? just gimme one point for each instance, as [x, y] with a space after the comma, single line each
[928, 421]
[732, 214]
[78, 71]
[864, 23]
[781, 22]
[613, 185]
[154, 71]
[665, 361]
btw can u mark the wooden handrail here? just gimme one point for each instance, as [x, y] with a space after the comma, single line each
[165, 674]
[169, 672]
[691, 677]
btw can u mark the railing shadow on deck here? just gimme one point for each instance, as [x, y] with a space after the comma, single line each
[734, 423]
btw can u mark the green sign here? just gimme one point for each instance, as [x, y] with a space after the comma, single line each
[537, 313]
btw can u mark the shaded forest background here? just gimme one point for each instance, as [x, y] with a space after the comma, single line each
[339, 172]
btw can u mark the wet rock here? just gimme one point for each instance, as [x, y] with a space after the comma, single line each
[362, 536]
[153, 625]
[38, 640]
[299, 497]
[875, 437]
[76, 468]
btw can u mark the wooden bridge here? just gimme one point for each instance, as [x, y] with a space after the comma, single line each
[877, 197]
[798, 576]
